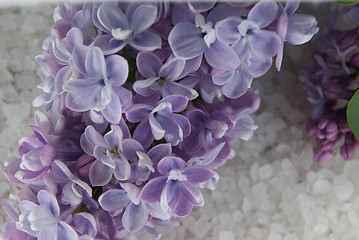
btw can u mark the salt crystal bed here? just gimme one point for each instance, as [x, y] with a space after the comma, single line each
[271, 189]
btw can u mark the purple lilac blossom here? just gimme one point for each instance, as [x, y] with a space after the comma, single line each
[98, 87]
[328, 83]
[121, 29]
[189, 67]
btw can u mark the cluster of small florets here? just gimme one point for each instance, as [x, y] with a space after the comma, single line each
[142, 102]
[330, 84]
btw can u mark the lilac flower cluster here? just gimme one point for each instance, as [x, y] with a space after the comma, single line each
[142, 102]
[330, 84]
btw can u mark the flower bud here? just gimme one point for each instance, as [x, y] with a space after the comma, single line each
[83, 164]
[333, 91]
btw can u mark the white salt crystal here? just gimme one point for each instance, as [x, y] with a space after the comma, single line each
[353, 219]
[290, 237]
[265, 171]
[296, 133]
[248, 206]
[237, 216]
[283, 148]
[275, 227]
[275, 125]
[254, 172]
[244, 185]
[321, 186]
[263, 219]
[343, 188]
[274, 236]
[201, 227]
[15, 113]
[258, 233]
[321, 228]
[351, 170]
[226, 235]
[290, 173]
[11, 135]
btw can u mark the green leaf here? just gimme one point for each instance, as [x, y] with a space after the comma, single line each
[353, 114]
[345, 3]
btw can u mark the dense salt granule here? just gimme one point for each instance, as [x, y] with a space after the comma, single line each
[343, 188]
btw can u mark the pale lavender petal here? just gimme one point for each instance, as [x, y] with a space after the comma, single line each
[69, 196]
[113, 200]
[79, 56]
[100, 174]
[151, 192]
[95, 63]
[148, 64]
[182, 13]
[264, 43]
[191, 66]
[238, 85]
[123, 169]
[41, 218]
[197, 6]
[47, 198]
[227, 30]
[143, 134]
[178, 102]
[137, 112]
[114, 137]
[186, 41]
[90, 139]
[146, 41]
[174, 88]
[221, 56]
[74, 38]
[155, 210]
[242, 49]
[259, 66]
[47, 155]
[108, 44]
[143, 87]
[85, 223]
[10, 211]
[291, 6]
[111, 17]
[168, 163]
[301, 28]
[117, 69]
[61, 170]
[113, 111]
[124, 94]
[65, 231]
[129, 148]
[208, 157]
[192, 194]
[197, 174]
[135, 217]
[172, 69]
[159, 151]
[50, 234]
[143, 18]
[263, 13]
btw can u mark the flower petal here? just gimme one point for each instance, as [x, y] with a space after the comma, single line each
[263, 13]
[264, 43]
[151, 192]
[221, 56]
[148, 64]
[113, 200]
[135, 217]
[146, 42]
[186, 41]
[143, 17]
[100, 174]
[168, 163]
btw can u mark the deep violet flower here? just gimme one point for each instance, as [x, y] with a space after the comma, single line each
[122, 29]
[98, 87]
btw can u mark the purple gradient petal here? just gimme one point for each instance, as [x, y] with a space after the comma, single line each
[146, 41]
[148, 64]
[227, 30]
[143, 17]
[186, 41]
[221, 56]
[135, 217]
[151, 192]
[100, 174]
[168, 163]
[263, 13]
[264, 43]
[113, 200]
[117, 69]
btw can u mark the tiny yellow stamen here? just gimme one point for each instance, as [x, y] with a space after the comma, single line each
[160, 81]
